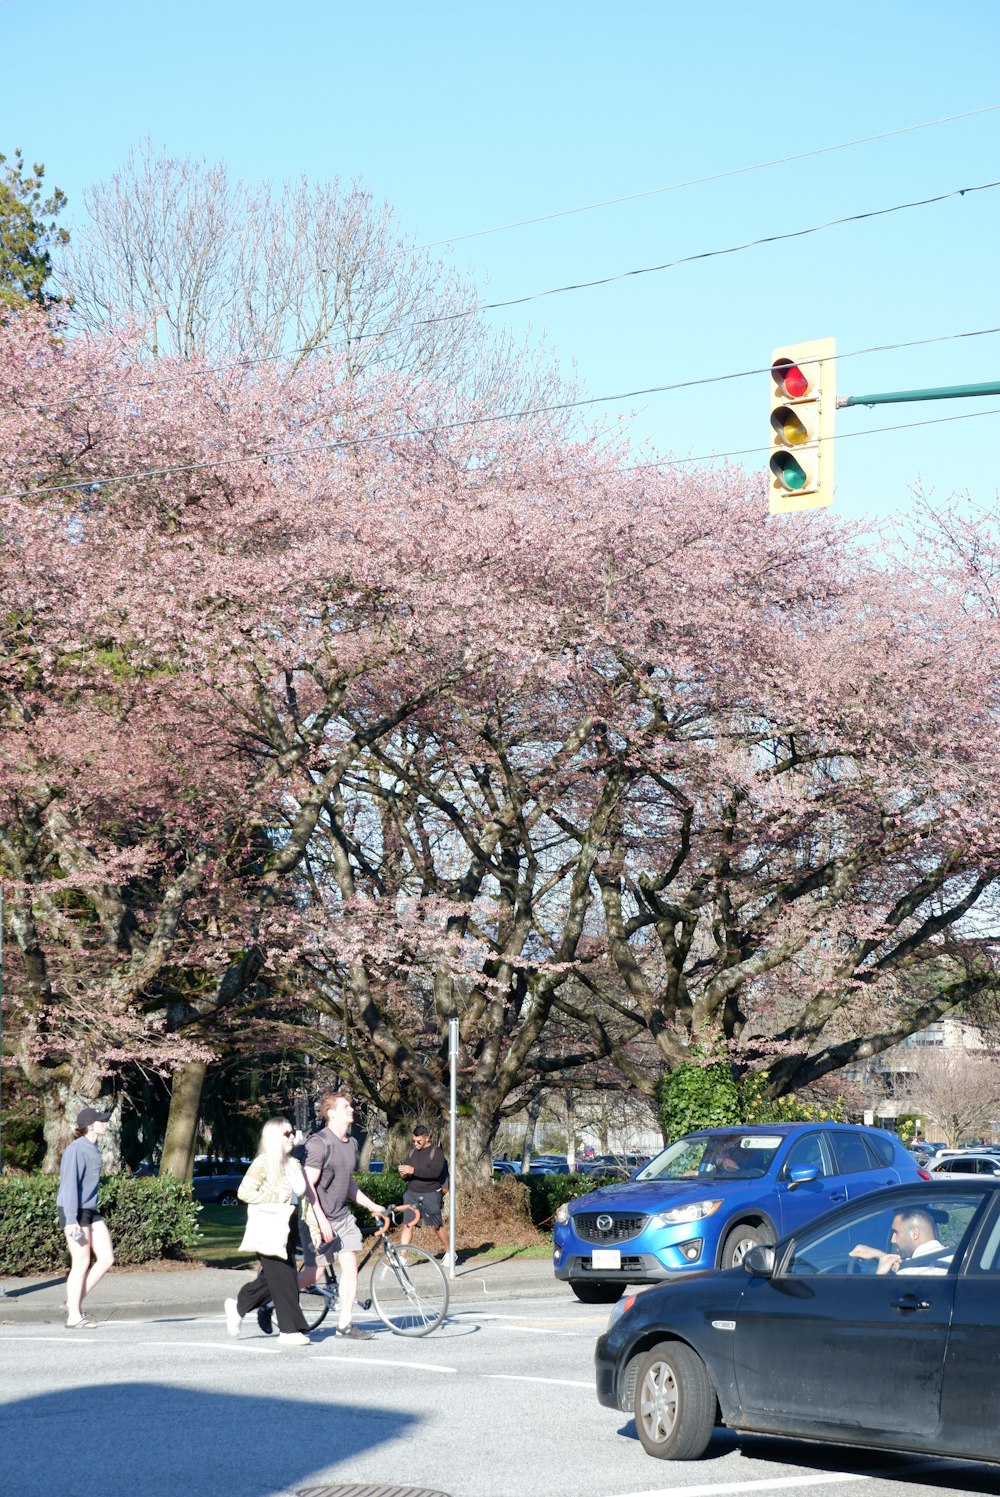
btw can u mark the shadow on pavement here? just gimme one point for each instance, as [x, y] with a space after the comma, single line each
[151, 1438]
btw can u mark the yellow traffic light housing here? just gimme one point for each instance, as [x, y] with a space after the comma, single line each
[803, 414]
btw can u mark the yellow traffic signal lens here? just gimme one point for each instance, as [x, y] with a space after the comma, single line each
[794, 427]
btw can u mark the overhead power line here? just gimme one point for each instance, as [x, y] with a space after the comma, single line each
[841, 436]
[228, 459]
[733, 249]
[736, 171]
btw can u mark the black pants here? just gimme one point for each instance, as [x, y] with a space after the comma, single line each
[277, 1281]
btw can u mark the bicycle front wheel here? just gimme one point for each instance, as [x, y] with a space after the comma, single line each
[412, 1297]
[316, 1302]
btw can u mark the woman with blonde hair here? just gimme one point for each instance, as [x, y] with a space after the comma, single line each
[274, 1179]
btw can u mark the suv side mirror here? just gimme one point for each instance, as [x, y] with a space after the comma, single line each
[759, 1261]
[802, 1174]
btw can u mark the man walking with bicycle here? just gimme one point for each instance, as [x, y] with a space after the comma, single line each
[329, 1227]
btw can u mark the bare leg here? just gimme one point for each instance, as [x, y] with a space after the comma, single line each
[348, 1284]
[79, 1262]
[104, 1256]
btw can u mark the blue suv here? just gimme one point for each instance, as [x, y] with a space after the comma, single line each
[712, 1195]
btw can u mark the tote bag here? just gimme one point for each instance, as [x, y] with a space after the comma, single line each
[267, 1229]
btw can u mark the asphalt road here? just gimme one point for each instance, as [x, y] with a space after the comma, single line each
[497, 1403]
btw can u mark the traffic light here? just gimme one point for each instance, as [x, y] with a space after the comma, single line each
[803, 411]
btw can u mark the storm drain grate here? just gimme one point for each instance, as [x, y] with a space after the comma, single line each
[366, 1490]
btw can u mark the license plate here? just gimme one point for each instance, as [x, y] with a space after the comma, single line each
[606, 1258]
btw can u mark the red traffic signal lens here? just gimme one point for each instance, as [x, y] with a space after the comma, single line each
[790, 378]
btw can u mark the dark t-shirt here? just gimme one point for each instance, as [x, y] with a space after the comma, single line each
[336, 1159]
[430, 1168]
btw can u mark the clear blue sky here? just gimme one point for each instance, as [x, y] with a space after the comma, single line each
[465, 116]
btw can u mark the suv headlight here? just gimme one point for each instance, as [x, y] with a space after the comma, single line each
[562, 1214]
[696, 1211]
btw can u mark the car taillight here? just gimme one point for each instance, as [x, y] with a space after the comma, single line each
[922, 1173]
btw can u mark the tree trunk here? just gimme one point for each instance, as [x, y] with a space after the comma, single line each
[571, 1130]
[534, 1108]
[60, 1105]
[182, 1122]
[473, 1146]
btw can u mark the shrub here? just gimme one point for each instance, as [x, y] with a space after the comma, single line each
[23, 1142]
[546, 1193]
[147, 1219]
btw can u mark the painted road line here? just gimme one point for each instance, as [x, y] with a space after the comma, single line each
[557, 1382]
[808, 1479]
[773, 1484]
[380, 1362]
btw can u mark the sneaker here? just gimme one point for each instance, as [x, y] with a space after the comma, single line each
[83, 1324]
[265, 1319]
[355, 1333]
[233, 1317]
[447, 1260]
[294, 1338]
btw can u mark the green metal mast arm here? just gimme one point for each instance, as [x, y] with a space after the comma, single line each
[935, 392]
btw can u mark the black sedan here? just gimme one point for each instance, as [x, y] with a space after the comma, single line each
[877, 1325]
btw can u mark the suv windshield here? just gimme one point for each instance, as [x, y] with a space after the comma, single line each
[730, 1156]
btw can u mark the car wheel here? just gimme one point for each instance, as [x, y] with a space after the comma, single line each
[675, 1403]
[739, 1242]
[601, 1293]
[228, 1198]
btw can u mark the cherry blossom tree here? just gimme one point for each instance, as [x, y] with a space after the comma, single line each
[321, 696]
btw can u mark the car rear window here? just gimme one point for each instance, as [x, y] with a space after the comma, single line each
[850, 1154]
[880, 1146]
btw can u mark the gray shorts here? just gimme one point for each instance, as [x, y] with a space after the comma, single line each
[346, 1239]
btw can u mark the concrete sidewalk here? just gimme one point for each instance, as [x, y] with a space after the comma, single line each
[169, 1293]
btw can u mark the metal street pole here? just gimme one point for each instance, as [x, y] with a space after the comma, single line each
[1, 1028]
[452, 1135]
[933, 392]
[3, 1292]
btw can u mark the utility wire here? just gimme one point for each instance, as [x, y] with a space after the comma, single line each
[517, 301]
[273, 453]
[840, 436]
[733, 249]
[736, 171]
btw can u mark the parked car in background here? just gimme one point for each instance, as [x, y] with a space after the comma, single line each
[216, 1181]
[981, 1163]
[506, 1166]
[805, 1340]
[713, 1195]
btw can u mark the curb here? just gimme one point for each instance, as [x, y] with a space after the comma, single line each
[196, 1292]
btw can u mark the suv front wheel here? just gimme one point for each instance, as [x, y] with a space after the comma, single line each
[739, 1242]
[600, 1293]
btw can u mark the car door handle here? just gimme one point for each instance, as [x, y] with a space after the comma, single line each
[838, 1195]
[909, 1302]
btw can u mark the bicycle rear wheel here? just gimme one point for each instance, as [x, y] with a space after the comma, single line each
[412, 1297]
[317, 1301]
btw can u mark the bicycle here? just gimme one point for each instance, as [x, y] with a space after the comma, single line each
[408, 1287]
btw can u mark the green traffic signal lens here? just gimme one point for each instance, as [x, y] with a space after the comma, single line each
[790, 474]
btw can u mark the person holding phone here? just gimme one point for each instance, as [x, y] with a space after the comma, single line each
[425, 1169]
[87, 1237]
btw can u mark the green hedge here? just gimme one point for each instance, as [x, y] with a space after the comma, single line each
[547, 1192]
[147, 1219]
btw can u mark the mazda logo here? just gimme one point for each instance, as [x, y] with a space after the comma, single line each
[605, 1223]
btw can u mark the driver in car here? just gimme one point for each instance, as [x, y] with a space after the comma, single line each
[918, 1250]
